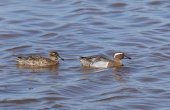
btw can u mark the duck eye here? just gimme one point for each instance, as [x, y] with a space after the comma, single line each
[51, 53]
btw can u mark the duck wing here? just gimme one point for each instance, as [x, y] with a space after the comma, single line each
[95, 61]
[92, 59]
[34, 60]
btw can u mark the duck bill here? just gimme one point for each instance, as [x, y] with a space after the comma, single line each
[126, 57]
[61, 58]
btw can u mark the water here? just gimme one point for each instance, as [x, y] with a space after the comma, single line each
[74, 28]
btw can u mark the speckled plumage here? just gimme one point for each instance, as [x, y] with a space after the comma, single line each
[39, 61]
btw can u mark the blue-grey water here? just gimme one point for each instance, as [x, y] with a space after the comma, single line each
[140, 28]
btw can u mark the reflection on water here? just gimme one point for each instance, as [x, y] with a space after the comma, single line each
[118, 72]
[140, 28]
[52, 69]
[92, 70]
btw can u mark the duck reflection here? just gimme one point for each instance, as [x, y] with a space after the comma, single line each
[119, 73]
[52, 69]
[91, 70]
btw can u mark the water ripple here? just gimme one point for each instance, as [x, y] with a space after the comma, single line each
[82, 28]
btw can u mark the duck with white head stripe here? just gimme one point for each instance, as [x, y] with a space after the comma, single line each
[102, 62]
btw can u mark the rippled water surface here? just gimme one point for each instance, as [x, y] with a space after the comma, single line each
[74, 28]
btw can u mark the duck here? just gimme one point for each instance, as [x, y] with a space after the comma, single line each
[40, 61]
[98, 61]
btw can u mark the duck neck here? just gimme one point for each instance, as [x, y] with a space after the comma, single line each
[115, 63]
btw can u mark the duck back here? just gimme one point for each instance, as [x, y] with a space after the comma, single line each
[35, 61]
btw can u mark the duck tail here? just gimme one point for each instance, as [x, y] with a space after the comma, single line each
[19, 58]
[82, 57]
